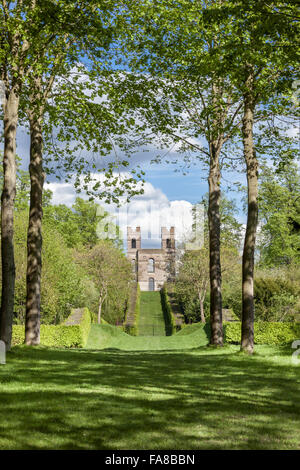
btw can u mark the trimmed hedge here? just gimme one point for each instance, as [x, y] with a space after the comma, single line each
[264, 332]
[84, 327]
[66, 336]
[167, 310]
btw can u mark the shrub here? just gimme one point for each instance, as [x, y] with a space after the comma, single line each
[232, 295]
[18, 335]
[65, 335]
[264, 332]
[65, 285]
[167, 310]
[275, 297]
[276, 294]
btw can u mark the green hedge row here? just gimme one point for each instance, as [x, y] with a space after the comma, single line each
[264, 332]
[131, 328]
[167, 310]
[85, 326]
[67, 336]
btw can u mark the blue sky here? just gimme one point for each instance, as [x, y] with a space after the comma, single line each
[175, 185]
[168, 194]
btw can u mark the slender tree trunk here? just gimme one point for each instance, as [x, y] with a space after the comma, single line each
[7, 216]
[202, 316]
[247, 341]
[34, 234]
[100, 310]
[214, 248]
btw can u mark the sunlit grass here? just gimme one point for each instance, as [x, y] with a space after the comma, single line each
[107, 336]
[151, 319]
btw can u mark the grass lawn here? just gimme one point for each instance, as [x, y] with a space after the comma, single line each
[129, 398]
[107, 336]
[151, 320]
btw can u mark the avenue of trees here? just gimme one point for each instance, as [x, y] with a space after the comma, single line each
[214, 77]
[45, 47]
[91, 80]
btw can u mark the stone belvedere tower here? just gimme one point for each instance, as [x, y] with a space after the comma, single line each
[152, 267]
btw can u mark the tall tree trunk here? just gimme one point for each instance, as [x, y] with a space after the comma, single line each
[99, 311]
[214, 248]
[7, 216]
[34, 234]
[247, 341]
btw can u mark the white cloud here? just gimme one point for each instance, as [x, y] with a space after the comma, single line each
[63, 193]
[293, 131]
[150, 211]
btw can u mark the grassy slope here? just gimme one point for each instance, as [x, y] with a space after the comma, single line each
[151, 321]
[107, 336]
[200, 398]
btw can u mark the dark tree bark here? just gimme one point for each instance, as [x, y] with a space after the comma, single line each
[36, 111]
[7, 216]
[34, 234]
[214, 248]
[247, 341]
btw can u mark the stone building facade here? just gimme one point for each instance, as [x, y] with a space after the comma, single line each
[152, 267]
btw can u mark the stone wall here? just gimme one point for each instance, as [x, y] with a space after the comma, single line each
[159, 274]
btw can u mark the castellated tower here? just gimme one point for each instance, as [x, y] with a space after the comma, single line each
[133, 239]
[152, 267]
[168, 246]
[133, 245]
[168, 238]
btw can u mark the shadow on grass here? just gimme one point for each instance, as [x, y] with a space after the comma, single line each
[110, 399]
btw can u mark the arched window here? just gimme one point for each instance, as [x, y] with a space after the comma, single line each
[133, 243]
[151, 283]
[169, 245]
[151, 265]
